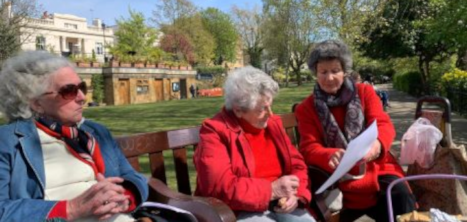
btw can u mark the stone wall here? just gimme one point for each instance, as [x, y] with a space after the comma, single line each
[140, 85]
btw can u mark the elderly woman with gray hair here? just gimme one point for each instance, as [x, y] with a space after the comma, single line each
[54, 164]
[245, 158]
[338, 111]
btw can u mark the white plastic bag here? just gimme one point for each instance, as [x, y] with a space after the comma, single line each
[419, 143]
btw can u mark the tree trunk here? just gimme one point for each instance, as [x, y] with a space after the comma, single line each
[424, 66]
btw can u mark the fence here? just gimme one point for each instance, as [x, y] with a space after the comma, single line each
[458, 99]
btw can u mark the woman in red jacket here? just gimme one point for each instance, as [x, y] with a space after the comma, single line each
[245, 158]
[338, 111]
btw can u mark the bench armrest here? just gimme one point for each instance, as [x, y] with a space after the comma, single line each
[204, 209]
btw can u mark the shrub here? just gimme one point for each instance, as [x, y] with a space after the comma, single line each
[97, 82]
[409, 82]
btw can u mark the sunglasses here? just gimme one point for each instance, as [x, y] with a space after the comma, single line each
[70, 91]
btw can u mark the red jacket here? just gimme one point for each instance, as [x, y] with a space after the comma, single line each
[358, 194]
[225, 164]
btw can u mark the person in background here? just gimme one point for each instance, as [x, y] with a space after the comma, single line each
[337, 112]
[55, 164]
[246, 159]
[193, 91]
[355, 76]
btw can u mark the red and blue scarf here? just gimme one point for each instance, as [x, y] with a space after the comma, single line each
[80, 143]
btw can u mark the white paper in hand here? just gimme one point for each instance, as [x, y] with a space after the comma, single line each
[356, 150]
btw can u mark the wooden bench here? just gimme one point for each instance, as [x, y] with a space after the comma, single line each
[179, 141]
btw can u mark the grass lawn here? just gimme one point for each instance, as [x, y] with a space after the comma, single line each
[131, 119]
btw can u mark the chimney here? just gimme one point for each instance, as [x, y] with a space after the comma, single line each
[6, 12]
[97, 22]
[45, 15]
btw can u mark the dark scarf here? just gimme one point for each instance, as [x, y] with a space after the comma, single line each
[80, 143]
[354, 119]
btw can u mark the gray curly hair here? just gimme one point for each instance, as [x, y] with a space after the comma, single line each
[328, 50]
[244, 86]
[26, 77]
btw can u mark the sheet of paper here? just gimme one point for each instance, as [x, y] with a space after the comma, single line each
[356, 150]
[169, 207]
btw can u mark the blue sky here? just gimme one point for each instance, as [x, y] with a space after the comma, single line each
[109, 10]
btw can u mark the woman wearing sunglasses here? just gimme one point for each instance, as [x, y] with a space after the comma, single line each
[53, 162]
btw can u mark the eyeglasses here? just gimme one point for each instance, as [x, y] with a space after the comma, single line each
[70, 91]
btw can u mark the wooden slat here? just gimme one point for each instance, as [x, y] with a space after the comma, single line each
[134, 161]
[157, 167]
[183, 137]
[181, 170]
[139, 144]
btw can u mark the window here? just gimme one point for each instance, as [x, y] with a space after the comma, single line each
[99, 48]
[142, 87]
[71, 26]
[40, 43]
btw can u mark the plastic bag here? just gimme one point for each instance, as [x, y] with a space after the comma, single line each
[419, 143]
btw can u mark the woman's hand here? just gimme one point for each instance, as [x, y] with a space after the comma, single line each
[336, 158]
[374, 152]
[289, 206]
[102, 200]
[285, 186]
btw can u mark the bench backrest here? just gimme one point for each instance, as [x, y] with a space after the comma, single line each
[154, 144]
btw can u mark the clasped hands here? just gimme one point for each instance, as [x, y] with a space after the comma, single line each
[102, 200]
[373, 154]
[285, 189]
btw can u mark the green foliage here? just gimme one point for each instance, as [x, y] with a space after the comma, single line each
[248, 24]
[97, 82]
[14, 29]
[453, 86]
[290, 31]
[134, 36]
[408, 82]
[93, 56]
[215, 70]
[222, 29]
[416, 28]
[279, 75]
[202, 41]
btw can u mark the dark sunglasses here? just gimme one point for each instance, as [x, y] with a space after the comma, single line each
[70, 91]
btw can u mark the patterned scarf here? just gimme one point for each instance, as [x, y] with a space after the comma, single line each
[354, 119]
[80, 143]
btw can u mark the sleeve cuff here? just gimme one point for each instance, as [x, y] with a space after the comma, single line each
[132, 199]
[59, 210]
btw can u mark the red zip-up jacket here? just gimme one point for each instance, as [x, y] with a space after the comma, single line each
[225, 164]
[362, 193]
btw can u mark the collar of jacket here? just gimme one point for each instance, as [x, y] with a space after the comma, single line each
[277, 134]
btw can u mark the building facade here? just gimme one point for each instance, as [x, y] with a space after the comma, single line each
[68, 34]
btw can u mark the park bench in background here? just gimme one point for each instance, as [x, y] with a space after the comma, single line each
[178, 142]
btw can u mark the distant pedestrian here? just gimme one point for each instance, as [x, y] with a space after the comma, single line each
[193, 91]
[355, 76]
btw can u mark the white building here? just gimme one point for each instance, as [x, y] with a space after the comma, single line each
[68, 34]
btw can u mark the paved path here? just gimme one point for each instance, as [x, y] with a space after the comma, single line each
[402, 112]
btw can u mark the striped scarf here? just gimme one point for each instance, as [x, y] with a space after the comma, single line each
[354, 118]
[80, 143]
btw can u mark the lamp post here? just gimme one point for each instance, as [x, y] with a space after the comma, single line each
[103, 47]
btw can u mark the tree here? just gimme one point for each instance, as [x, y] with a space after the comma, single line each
[248, 23]
[450, 26]
[133, 36]
[14, 29]
[179, 45]
[290, 30]
[202, 41]
[222, 29]
[343, 18]
[404, 31]
[169, 11]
